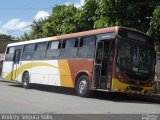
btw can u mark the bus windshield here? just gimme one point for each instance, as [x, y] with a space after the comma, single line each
[136, 58]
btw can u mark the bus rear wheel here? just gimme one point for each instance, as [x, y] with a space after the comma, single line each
[25, 80]
[82, 86]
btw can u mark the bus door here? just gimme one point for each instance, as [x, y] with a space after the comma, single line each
[16, 63]
[98, 64]
[102, 67]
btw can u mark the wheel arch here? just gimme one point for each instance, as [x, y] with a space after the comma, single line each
[25, 71]
[78, 75]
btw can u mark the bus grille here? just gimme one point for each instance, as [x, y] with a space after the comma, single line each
[135, 88]
[136, 77]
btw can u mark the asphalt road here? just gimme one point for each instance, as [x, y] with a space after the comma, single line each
[48, 99]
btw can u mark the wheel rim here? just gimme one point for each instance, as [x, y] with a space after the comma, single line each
[25, 80]
[83, 86]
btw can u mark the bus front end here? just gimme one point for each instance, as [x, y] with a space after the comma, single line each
[134, 64]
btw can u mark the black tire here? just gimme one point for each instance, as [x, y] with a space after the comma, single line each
[25, 80]
[82, 86]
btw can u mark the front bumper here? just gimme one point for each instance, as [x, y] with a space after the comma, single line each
[118, 86]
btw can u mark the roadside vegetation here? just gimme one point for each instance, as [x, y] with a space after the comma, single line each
[141, 15]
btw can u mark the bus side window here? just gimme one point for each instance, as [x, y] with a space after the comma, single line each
[69, 48]
[86, 47]
[10, 54]
[40, 51]
[28, 52]
[54, 49]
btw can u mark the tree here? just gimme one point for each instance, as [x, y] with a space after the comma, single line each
[36, 31]
[85, 17]
[6, 37]
[154, 30]
[94, 14]
[130, 13]
[61, 21]
[24, 37]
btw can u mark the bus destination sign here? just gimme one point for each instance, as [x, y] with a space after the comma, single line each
[136, 36]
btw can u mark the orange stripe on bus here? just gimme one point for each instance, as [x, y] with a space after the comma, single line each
[65, 75]
[53, 38]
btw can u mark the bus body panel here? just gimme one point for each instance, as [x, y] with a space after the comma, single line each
[7, 70]
[78, 66]
[45, 72]
[53, 72]
[41, 72]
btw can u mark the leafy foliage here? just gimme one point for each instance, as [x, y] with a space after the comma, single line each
[62, 20]
[154, 30]
[129, 13]
[94, 14]
[6, 37]
[36, 32]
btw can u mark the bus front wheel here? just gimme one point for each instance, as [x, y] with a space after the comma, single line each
[82, 86]
[25, 80]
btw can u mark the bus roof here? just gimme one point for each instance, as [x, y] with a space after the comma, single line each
[114, 29]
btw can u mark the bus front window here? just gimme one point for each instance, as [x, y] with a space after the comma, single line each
[134, 58]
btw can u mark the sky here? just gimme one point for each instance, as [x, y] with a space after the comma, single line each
[16, 16]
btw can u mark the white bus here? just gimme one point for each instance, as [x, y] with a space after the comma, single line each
[114, 59]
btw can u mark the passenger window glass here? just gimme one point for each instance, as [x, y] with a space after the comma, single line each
[29, 48]
[11, 50]
[40, 52]
[41, 46]
[54, 45]
[28, 52]
[10, 54]
[69, 48]
[53, 51]
[87, 46]
[71, 43]
[88, 41]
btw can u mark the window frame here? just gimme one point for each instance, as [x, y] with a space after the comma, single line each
[63, 48]
[23, 51]
[59, 46]
[81, 46]
[40, 51]
[7, 53]
[36, 46]
[49, 50]
[28, 45]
